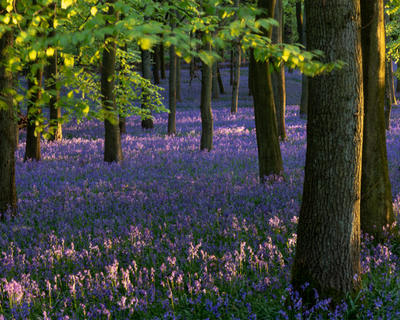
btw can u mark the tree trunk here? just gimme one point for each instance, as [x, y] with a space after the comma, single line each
[304, 78]
[220, 83]
[278, 78]
[388, 95]
[231, 78]
[162, 60]
[112, 139]
[249, 82]
[269, 152]
[237, 58]
[146, 74]
[391, 79]
[299, 19]
[328, 232]
[178, 79]
[32, 149]
[51, 73]
[207, 121]
[156, 65]
[172, 88]
[122, 119]
[376, 201]
[214, 90]
[8, 191]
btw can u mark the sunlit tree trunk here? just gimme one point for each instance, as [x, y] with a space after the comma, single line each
[112, 138]
[8, 192]
[207, 122]
[269, 152]
[328, 233]
[278, 78]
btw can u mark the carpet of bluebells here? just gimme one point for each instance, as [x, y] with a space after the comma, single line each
[173, 232]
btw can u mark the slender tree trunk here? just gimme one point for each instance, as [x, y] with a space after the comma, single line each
[231, 79]
[388, 96]
[237, 58]
[172, 88]
[162, 60]
[51, 73]
[214, 90]
[122, 119]
[398, 82]
[376, 194]
[207, 122]
[299, 18]
[304, 78]
[8, 191]
[178, 79]
[269, 152]
[278, 78]
[220, 83]
[391, 79]
[112, 140]
[328, 233]
[16, 112]
[156, 65]
[146, 74]
[32, 149]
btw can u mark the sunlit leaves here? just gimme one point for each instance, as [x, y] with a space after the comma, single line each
[66, 3]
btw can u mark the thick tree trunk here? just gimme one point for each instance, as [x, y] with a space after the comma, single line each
[278, 78]
[269, 152]
[220, 83]
[328, 233]
[178, 79]
[32, 147]
[376, 194]
[112, 139]
[304, 78]
[172, 88]
[51, 73]
[214, 89]
[299, 18]
[8, 191]
[162, 61]
[156, 65]
[146, 74]
[207, 122]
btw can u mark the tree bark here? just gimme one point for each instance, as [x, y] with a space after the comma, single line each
[122, 119]
[278, 78]
[328, 233]
[172, 88]
[162, 61]
[299, 18]
[269, 152]
[388, 95]
[51, 73]
[376, 201]
[112, 139]
[391, 79]
[214, 89]
[207, 122]
[32, 146]
[304, 78]
[231, 74]
[237, 58]
[156, 65]
[146, 74]
[178, 79]
[220, 83]
[8, 191]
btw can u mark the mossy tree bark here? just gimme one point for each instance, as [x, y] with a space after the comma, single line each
[146, 74]
[8, 192]
[328, 233]
[269, 152]
[278, 77]
[376, 194]
[207, 122]
[112, 138]
[51, 74]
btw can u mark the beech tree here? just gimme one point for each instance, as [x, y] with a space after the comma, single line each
[236, 60]
[207, 122]
[146, 74]
[172, 84]
[328, 234]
